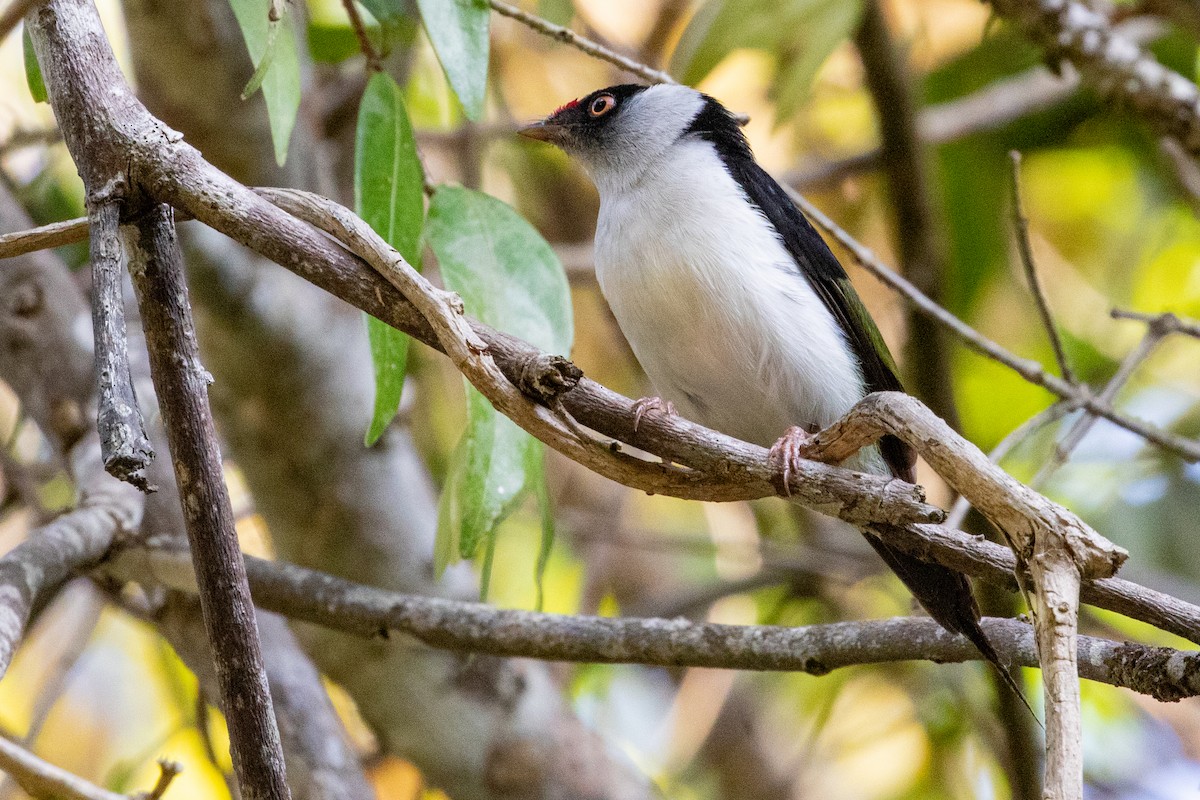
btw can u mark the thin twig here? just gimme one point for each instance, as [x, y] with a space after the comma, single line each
[167, 770]
[582, 43]
[43, 237]
[1168, 322]
[374, 63]
[123, 440]
[1159, 327]
[182, 386]
[1079, 428]
[1025, 249]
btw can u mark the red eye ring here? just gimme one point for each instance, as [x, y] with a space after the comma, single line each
[602, 105]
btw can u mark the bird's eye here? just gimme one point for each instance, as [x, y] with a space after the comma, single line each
[602, 105]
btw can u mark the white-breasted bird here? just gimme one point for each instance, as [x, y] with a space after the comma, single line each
[739, 313]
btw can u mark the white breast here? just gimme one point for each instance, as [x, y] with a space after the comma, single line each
[713, 305]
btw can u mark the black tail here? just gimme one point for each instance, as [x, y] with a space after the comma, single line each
[947, 596]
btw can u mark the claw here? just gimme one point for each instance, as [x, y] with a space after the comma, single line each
[647, 405]
[786, 452]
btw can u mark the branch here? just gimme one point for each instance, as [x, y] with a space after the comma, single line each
[43, 237]
[325, 600]
[1116, 66]
[1162, 323]
[1059, 548]
[123, 441]
[182, 386]
[1055, 569]
[1025, 249]
[1017, 511]
[582, 43]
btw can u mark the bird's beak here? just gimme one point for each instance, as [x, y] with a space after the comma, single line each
[542, 130]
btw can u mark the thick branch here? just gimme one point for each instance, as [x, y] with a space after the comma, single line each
[1017, 511]
[182, 387]
[1055, 610]
[1116, 66]
[816, 649]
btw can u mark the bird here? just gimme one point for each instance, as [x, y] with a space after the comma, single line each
[739, 313]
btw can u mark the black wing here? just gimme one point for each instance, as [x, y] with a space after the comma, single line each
[814, 261]
[945, 594]
[818, 264]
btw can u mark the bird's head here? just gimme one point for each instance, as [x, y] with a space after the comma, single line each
[618, 132]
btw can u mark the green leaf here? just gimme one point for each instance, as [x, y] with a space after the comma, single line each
[272, 47]
[798, 34]
[458, 30]
[389, 355]
[506, 273]
[389, 196]
[509, 278]
[33, 70]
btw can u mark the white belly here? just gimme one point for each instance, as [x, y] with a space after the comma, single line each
[714, 308]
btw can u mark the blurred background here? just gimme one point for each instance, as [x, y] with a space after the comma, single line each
[1112, 219]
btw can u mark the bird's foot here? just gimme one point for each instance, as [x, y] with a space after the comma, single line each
[791, 448]
[651, 405]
